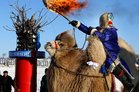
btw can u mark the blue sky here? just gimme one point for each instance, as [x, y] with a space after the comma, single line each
[126, 19]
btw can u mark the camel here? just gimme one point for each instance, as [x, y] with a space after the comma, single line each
[128, 54]
[69, 72]
[136, 89]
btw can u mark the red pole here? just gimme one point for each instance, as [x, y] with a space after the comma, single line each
[26, 70]
[26, 54]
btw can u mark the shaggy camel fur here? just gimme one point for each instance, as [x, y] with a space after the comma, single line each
[69, 71]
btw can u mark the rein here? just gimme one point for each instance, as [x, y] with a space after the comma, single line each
[72, 72]
[76, 41]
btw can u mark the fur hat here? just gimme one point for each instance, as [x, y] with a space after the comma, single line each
[5, 72]
[105, 20]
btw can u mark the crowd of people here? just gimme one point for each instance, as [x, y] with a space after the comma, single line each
[6, 82]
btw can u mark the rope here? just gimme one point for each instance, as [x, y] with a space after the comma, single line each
[52, 20]
[84, 41]
[75, 36]
[75, 73]
[76, 40]
[106, 82]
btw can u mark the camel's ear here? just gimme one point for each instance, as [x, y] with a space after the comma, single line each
[67, 37]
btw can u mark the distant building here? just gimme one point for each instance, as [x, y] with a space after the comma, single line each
[11, 61]
[7, 61]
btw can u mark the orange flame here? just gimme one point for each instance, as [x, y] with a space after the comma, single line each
[64, 7]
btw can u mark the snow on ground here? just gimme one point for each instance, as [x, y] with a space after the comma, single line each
[11, 72]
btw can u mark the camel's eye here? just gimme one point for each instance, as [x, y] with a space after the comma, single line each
[61, 44]
[49, 44]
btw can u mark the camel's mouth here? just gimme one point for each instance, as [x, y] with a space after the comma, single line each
[50, 48]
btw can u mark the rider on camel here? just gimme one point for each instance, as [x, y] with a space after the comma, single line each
[107, 34]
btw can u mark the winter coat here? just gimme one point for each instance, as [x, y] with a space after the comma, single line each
[0, 82]
[109, 39]
[7, 84]
[43, 87]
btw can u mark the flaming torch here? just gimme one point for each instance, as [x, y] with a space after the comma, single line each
[64, 7]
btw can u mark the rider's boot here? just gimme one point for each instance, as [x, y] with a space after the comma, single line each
[122, 75]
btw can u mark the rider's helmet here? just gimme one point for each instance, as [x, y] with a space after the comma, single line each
[105, 20]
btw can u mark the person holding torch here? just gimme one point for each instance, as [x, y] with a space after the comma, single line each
[107, 34]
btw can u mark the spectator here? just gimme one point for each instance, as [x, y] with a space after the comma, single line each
[6, 82]
[0, 81]
[44, 87]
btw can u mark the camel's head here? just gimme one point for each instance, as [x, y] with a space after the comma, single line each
[64, 40]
